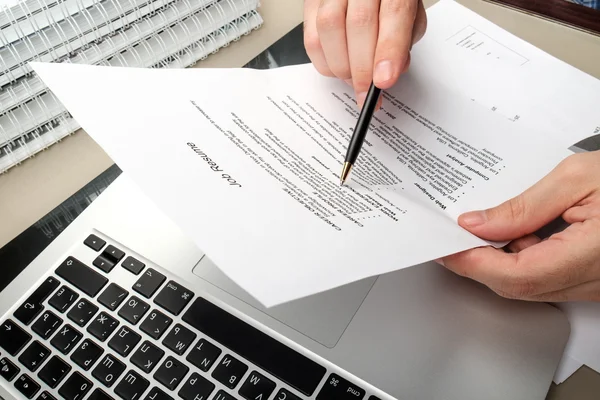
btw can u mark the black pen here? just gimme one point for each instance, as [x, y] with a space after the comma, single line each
[360, 131]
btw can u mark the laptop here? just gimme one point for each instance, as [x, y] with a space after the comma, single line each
[122, 305]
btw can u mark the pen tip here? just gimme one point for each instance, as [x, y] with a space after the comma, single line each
[345, 173]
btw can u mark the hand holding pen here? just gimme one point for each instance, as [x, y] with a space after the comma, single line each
[364, 42]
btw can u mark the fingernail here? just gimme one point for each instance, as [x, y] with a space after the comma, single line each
[440, 261]
[474, 218]
[383, 71]
[360, 98]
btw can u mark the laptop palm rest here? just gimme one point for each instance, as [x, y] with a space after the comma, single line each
[322, 317]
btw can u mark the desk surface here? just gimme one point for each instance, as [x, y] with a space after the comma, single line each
[64, 179]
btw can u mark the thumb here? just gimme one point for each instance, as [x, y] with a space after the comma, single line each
[539, 205]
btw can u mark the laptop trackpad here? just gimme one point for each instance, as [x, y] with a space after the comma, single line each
[322, 317]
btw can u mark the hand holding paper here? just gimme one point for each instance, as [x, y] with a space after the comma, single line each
[566, 267]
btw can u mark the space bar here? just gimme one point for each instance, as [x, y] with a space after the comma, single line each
[284, 363]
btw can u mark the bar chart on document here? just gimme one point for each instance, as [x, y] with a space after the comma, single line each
[125, 33]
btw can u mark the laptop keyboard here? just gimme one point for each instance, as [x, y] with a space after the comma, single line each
[119, 329]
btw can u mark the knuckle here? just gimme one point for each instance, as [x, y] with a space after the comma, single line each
[312, 43]
[573, 168]
[341, 71]
[517, 290]
[387, 48]
[330, 18]
[362, 16]
[517, 208]
[400, 6]
[362, 73]
[518, 286]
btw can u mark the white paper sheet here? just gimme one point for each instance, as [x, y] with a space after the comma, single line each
[528, 86]
[247, 162]
[583, 343]
[567, 367]
[504, 73]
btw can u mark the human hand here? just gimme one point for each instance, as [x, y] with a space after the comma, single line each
[361, 41]
[563, 267]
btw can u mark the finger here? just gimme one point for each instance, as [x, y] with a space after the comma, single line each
[420, 26]
[588, 291]
[331, 26]
[563, 187]
[312, 43]
[362, 22]
[396, 22]
[564, 260]
[522, 243]
[582, 212]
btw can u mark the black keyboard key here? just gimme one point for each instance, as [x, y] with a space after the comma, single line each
[8, 370]
[27, 312]
[134, 310]
[113, 254]
[124, 341]
[76, 387]
[197, 388]
[34, 356]
[155, 324]
[12, 337]
[31, 307]
[147, 357]
[87, 354]
[65, 339]
[94, 242]
[63, 299]
[374, 398]
[45, 396]
[27, 386]
[174, 297]
[179, 339]
[221, 395]
[149, 283]
[113, 296]
[131, 386]
[47, 324]
[82, 312]
[81, 276]
[157, 394]
[103, 263]
[108, 370]
[99, 394]
[170, 373]
[204, 354]
[54, 371]
[257, 386]
[103, 326]
[229, 371]
[285, 394]
[133, 265]
[293, 368]
[338, 388]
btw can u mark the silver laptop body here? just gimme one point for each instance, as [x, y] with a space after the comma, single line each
[122, 305]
